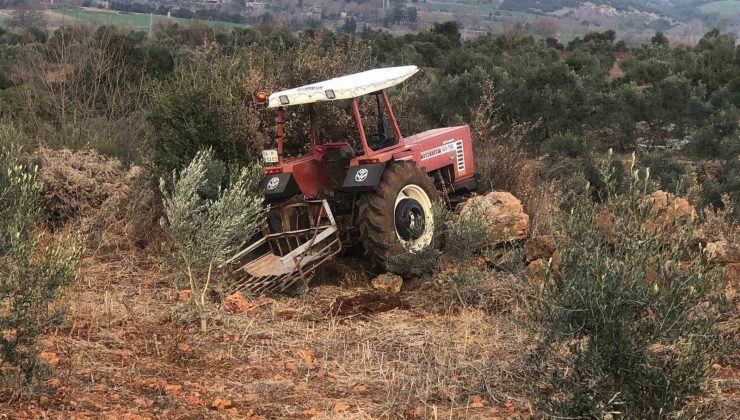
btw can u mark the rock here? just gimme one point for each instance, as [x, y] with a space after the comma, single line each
[732, 272]
[360, 389]
[49, 357]
[723, 251]
[340, 407]
[710, 170]
[311, 412]
[389, 282]
[10, 334]
[642, 127]
[184, 295]
[308, 356]
[732, 279]
[502, 214]
[173, 390]
[477, 401]
[668, 209]
[220, 403]
[555, 260]
[194, 400]
[540, 247]
[236, 302]
[535, 271]
[365, 304]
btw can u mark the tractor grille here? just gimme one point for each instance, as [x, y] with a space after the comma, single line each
[460, 156]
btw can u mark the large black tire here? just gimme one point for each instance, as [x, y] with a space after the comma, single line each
[377, 212]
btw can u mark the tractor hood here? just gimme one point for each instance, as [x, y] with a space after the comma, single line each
[345, 87]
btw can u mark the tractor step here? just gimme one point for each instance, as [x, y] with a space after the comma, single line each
[279, 260]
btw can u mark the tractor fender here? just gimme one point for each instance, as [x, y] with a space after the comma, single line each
[363, 177]
[279, 186]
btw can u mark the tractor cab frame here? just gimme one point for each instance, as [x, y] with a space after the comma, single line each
[378, 192]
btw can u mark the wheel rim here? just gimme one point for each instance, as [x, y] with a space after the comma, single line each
[413, 218]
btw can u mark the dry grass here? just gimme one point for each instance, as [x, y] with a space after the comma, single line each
[129, 346]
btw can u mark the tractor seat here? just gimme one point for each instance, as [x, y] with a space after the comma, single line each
[381, 141]
[337, 160]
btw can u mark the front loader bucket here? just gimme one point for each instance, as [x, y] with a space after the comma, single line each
[308, 237]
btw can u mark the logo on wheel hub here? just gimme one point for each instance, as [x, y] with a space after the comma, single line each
[361, 175]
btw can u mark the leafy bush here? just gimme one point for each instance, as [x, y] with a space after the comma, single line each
[417, 264]
[628, 316]
[566, 144]
[713, 191]
[82, 89]
[466, 235]
[207, 223]
[208, 101]
[673, 175]
[203, 105]
[500, 149]
[32, 275]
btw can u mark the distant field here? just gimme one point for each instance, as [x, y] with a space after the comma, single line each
[105, 17]
[724, 7]
[484, 10]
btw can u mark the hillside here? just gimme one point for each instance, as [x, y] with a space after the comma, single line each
[591, 268]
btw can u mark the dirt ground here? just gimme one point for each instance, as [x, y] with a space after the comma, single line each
[131, 348]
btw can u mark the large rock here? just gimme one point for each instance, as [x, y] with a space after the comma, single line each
[668, 209]
[389, 282]
[542, 246]
[502, 215]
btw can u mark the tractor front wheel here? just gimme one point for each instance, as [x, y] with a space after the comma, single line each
[399, 215]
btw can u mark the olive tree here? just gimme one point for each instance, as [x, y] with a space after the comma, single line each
[31, 275]
[208, 223]
[628, 312]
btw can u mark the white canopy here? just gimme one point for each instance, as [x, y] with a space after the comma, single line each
[345, 87]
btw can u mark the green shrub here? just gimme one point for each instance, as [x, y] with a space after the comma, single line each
[202, 105]
[417, 264]
[466, 235]
[673, 175]
[207, 223]
[500, 147]
[566, 144]
[208, 100]
[713, 191]
[628, 316]
[31, 275]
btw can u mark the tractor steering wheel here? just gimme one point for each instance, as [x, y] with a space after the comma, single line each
[378, 141]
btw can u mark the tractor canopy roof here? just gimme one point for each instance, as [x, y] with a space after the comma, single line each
[345, 87]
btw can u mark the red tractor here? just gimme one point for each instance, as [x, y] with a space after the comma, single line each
[376, 189]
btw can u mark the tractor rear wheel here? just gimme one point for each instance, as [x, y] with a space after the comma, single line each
[399, 215]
